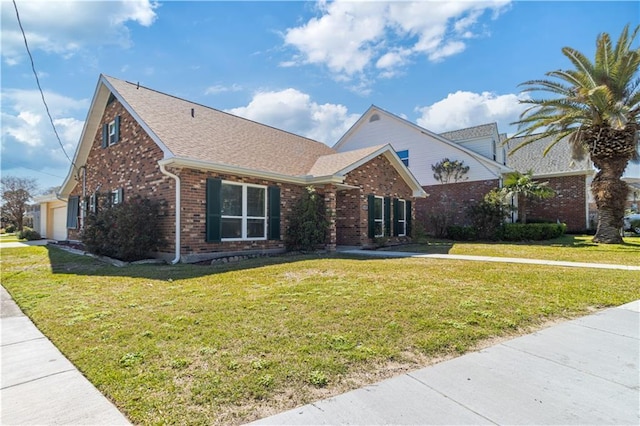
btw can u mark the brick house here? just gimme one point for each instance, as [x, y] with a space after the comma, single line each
[227, 185]
[478, 147]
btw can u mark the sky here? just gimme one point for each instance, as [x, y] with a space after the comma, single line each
[311, 68]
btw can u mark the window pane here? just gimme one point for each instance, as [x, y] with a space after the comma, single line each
[231, 200]
[255, 201]
[231, 228]
[401, 210]
[255, 228]
[377, 208]
[378, 229]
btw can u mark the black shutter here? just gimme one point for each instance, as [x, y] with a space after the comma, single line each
[214, 209]
[105, 135]
[372, 215]
[396, 209]
[73, 207]
[407, 216]
[117, 125]
[387, 216]
[120, 195]
[274, 213]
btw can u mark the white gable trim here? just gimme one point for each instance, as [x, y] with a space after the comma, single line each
[492, 166]
[91, 125]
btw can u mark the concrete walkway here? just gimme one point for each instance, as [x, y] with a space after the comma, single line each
[17, 244]
[39, 385]
[583, 371]
[383, 253]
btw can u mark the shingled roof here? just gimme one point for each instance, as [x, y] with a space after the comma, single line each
[557, 161]
[480, 131]
[197, 132]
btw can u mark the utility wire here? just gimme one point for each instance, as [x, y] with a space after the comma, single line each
[33, 68]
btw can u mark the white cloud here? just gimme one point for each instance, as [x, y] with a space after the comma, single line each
[28, 139]
[219, 88]
[65, 27]
[466, 109]
[294, 111]
[348, 37]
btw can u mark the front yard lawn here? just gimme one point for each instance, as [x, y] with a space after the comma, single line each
[566, 248]
[10, 238]
[190, 344]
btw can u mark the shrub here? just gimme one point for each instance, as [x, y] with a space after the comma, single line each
[488, 216]
[10, 229]
[127, 231]
[28, 234]
[462, 233]
[418, 234]
[308, 225]
[533, 231]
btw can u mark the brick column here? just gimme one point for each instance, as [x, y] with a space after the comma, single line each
[330, 206]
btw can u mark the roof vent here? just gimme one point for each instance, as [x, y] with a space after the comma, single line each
[193, 112]
[137, 85]
[374, 117]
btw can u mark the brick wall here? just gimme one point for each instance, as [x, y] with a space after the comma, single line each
[450, 201]
[568, 206]
[376, 177]
[131, 164]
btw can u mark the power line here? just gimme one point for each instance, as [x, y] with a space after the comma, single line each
[33, 68]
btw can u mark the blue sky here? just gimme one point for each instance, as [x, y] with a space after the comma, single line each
[311, 68]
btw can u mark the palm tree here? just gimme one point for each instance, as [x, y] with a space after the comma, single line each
[596, 107]
[523, 187]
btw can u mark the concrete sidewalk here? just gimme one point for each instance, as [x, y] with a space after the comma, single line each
[583, 371]
[17, 244]
[39, 385]
[383, 253]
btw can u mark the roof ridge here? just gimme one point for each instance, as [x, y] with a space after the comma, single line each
[138, 85]
[471, 127]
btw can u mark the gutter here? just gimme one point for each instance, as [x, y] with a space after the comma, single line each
[177, 179]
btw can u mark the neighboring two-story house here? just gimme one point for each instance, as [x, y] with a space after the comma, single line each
[479, 148]
[227, 184]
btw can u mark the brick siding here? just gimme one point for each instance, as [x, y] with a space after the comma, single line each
[451, 201]
[568, 206]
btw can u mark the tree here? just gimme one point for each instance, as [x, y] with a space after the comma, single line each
[594, 107]
[308, 224]
[523, 187]
[445, 170]
[16, 193]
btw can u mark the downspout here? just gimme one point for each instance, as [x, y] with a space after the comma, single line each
[177, 179]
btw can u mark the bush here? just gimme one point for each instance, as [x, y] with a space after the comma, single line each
[418, 233]
[28, 234]
[127, 231]
[533, 231]
[462, 233]
[488, 216]
[308, 225]
[10, 229]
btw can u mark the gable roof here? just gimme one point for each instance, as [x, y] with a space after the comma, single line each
[373, 109]
[557, 161]
[474, 132]
[199, 136]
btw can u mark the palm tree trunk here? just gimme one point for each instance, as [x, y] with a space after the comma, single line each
[610, 194]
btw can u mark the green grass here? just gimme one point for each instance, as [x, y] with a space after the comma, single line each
[567, 248]
[10, 238]
[189, 344]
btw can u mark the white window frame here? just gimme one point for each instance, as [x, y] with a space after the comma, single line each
[92, 203]
[245, 218]
[403, 158]
[115, 197]
[402, 206]
[375, 219]
[112, 133]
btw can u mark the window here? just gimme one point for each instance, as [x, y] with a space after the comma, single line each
[111, 133]
[494, 152]
[244, 211]
[374, 117]
[117, 196]
[401, 218]
[73, 210]
[93, 203]
[379, 216]
[404, 156]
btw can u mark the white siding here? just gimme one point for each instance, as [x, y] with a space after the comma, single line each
[424, 149]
